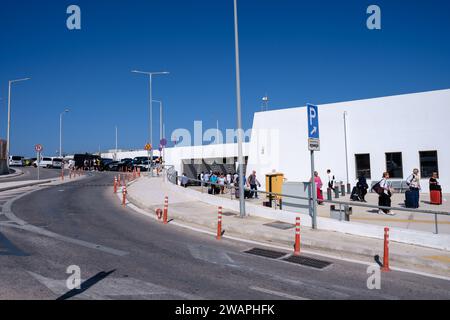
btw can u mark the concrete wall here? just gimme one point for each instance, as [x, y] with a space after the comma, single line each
[406, 123]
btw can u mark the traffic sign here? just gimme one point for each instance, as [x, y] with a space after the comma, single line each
[148, 147]
[38, 148]
[313, 128]
[163, 142]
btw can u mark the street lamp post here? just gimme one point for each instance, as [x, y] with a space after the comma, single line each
[239, 119]
[150, 75]
[9, 111]
[60, 131]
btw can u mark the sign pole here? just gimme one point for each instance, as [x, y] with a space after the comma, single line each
[38, 164]
[313, 145]
[313, 194]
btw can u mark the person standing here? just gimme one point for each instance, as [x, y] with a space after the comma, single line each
[253, 183]
[435, 186]
[184, 180]
[413, 181]
[318, 185]
[331, 180]
[384, 197]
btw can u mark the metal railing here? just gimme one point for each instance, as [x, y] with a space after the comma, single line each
[175, 177]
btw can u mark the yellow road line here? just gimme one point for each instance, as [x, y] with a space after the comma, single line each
[439, 258]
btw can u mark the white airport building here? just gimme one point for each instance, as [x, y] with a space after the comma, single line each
[394, 134]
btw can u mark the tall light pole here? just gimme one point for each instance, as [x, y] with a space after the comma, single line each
[239, 118]
[346, 150]
[60, 131]
[150, 75]
[161, 134]
[9, 111]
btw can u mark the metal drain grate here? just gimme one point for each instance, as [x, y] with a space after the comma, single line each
[280, 225]
[228, 214]
[309, 262]
[266, 253]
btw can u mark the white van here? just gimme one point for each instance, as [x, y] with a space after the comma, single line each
[45, 162]
[57, 163]
[15, 161]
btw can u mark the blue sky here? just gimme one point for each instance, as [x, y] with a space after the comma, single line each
[296, 51]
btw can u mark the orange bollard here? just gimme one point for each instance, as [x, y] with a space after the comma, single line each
[297, 237]
[139, 172]
[385, 267]
[115, 184]
[219, 224]
[124, 196]
[62, 174]
[166, 208]
[134, 173]
[119, 179]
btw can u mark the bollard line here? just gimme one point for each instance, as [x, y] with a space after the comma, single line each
[166, 208]
[385, 267]
[297, 236]
[219, 224]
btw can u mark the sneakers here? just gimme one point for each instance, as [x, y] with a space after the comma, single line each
[390, 213]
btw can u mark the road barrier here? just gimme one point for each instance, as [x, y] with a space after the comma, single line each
[385, 267]
[219, 224]
[115, 184]
[166, 209]
[124, 195]
[297, 236]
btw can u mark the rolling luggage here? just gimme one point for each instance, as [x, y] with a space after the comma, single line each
[355, 196]
[411, 199]
[435, 197]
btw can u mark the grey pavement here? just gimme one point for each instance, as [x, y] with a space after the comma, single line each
[82, 223]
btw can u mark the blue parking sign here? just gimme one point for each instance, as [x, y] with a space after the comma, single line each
[313, 122]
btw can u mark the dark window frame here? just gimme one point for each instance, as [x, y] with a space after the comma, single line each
[357, 172]
[422, 175]
[390, 170]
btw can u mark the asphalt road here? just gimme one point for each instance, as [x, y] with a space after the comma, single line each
[30, 173]
[83, 224]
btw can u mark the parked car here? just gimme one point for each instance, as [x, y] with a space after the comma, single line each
[28, 162]
[144, 165]
[125, 164]
[57, 163]
[111, 166]
[45, 162]
[16, 161]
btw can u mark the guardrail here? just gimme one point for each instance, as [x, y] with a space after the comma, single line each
[173, 178]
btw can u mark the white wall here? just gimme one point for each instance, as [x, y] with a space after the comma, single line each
[406, 123]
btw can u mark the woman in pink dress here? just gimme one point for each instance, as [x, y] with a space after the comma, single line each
[318, 183]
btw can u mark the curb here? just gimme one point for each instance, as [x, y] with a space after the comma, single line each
[16, 173]
[25, 185]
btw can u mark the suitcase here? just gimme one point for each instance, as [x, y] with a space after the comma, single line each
[435, 197]
[411, 200]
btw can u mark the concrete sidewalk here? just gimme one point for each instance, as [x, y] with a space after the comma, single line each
[149, 193]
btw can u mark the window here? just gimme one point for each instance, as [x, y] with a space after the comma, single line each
[394, 165]
[428, 163]
[363, 165]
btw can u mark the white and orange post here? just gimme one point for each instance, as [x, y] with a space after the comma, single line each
[166, 209]
[139, 172]
[385, 267]
[115, 184]
[297, 237]
[124, 195]
[219, 224]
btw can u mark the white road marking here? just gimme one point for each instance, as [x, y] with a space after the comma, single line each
[110, 287]
[211, 255]
[279, 294]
